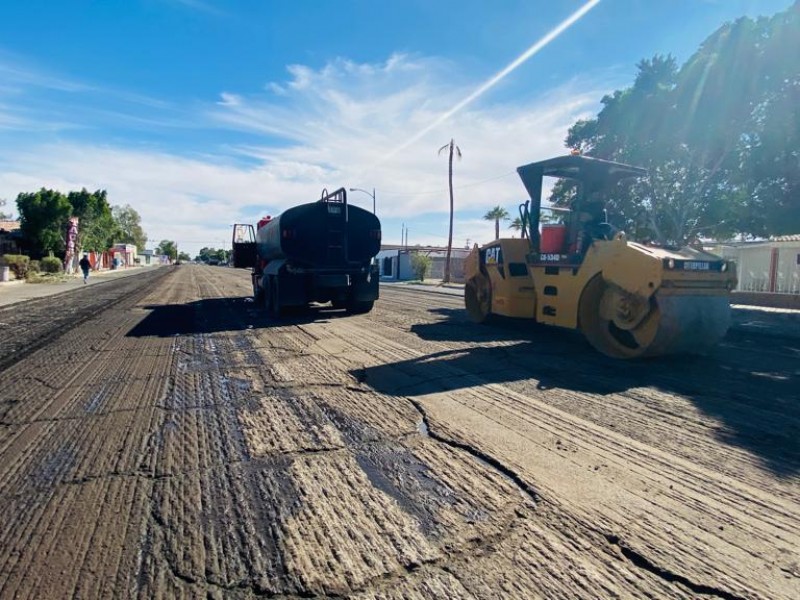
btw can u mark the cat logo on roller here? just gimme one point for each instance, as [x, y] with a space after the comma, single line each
[628, 299]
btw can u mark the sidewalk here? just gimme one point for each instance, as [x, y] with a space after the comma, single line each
[15, 291]
[435, 286]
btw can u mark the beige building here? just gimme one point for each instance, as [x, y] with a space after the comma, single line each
[771, 266]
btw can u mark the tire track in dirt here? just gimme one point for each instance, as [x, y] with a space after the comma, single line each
[385, 469]
[747, 497]
[211, 451]
[78, 412]
[653, 401]
[33, 324]
[328, 344]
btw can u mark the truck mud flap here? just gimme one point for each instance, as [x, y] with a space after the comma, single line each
[366, 289]
[293, 290]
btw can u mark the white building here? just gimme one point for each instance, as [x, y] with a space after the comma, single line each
[771, 266]
[395, 262]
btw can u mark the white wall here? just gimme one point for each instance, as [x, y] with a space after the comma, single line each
[753, 267]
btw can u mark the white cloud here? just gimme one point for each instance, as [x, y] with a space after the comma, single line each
[325, 128]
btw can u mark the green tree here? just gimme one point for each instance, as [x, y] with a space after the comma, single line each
[129, 226]
[184, 256]
[205, 254]
[519, 225]
[719, 136]
[209, 254]
[43, 220]
[453, 149]
[96, 228]
[420, 265]
[497, 214]
[168, 248]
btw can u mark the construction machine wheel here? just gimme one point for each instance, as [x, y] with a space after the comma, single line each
[478, 298]
[623, 325]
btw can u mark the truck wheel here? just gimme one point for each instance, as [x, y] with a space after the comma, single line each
[275, 308]
[266, 296]
[360, 308]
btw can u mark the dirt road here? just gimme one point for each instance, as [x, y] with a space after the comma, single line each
[161, 437]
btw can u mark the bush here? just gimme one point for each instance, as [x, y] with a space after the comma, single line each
[18, 264]
[421, 264]
[34, 267]
[51, 264]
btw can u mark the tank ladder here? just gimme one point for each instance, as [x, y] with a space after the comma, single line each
[336, 226]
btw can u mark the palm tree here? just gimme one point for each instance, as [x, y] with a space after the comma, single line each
[452, 147]
[497, 214]
[516, 225]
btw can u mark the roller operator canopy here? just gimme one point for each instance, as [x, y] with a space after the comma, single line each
[593, 173]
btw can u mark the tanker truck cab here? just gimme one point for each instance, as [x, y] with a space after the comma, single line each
[317, 252]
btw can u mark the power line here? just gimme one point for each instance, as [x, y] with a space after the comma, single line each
[447, 190]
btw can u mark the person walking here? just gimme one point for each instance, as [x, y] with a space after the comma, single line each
[85, 265]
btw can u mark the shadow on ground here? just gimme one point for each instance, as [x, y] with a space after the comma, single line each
[748, 383]
[220, 314]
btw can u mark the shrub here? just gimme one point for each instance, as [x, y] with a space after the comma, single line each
[34, 267]
[18, 264]
[51, 264]
[421, 264]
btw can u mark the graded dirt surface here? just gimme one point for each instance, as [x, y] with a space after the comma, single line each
[160, 437]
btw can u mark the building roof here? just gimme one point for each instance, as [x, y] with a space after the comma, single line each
[419, 248]
[9, 225]
[795, 237]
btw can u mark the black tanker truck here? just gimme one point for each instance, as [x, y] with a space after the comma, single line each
[316, 252]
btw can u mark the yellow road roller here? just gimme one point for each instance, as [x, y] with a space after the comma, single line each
[629, 299]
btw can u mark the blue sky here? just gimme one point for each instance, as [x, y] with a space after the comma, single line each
[202, 113]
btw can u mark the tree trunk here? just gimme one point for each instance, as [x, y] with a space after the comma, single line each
[450, 235]
[497, 229]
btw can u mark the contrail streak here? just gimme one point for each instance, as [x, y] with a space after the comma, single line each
[549, 37]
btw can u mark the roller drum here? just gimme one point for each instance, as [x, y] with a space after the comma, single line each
[667, 323]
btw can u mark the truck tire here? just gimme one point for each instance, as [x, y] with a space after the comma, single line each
[360, 307]
[275, 308]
